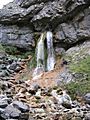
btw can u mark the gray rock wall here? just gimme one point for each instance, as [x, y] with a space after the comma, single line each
[21, 37]
[68, 19]
[74, 31]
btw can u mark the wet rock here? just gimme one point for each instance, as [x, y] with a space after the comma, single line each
[87, 98]
[21, 106]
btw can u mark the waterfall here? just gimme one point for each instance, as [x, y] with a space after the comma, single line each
[40, 56]
[40, 51]
[50, 51]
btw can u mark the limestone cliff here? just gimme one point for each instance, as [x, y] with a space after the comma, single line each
[67, 19]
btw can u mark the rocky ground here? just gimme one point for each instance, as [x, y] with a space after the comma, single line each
[31, 100]
[21, 23]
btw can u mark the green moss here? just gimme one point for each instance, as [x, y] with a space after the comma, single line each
[10, 49]
[15, 52]
[81, 85]
[82, 66]
[78, 88]
[2, 48]
[32, 63]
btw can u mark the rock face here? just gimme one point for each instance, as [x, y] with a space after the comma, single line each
[68, 19]
[21, 37]
[78, 52]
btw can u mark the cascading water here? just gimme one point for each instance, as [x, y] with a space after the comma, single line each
[40, 51]
[50, 51]
[40, 56]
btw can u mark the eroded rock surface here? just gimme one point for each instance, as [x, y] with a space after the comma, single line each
[68, 19]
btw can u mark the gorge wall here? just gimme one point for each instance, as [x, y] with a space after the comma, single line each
[69, 20]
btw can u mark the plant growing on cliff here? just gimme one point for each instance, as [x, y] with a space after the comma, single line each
[81, 85]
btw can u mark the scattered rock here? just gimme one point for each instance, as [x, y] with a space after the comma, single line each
[87, 98]
[87, 116]
[63, 99]
[38, 94]
[12, 112]
[39, 110]
[22, 101]
[3, 103]
[65, 77]
[33, 88]
[21, 106]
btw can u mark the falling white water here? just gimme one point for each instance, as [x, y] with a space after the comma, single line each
[40, 51]
[50, 51]
[40, 56]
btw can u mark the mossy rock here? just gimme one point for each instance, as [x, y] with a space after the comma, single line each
[81, 85]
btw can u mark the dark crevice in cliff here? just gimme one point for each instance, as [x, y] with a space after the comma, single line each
[68, 17]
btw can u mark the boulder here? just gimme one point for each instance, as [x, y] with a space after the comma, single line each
[12, 112]
[63, 99]
[3, 103]
[87, 98]
[21, 106]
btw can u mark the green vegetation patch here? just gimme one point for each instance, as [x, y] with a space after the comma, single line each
[82, 66]
[2, 48]
[81, 85]
[78, 88]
